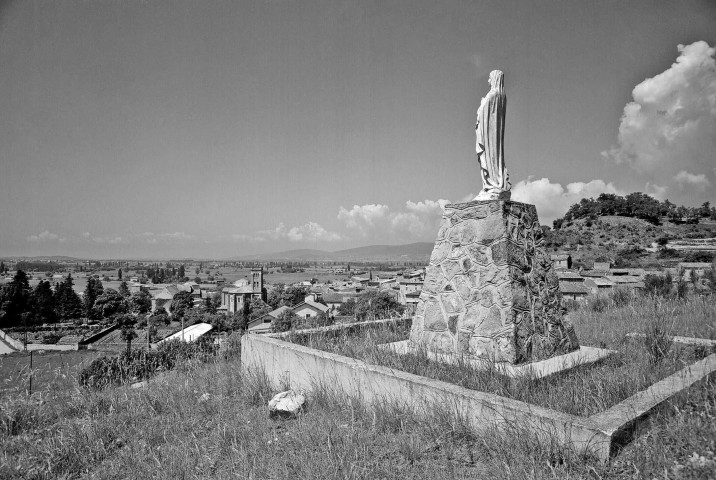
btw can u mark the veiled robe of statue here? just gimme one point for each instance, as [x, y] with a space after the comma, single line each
[490, 143]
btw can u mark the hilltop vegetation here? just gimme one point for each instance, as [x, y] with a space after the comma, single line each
[636, 205]
[636, 230]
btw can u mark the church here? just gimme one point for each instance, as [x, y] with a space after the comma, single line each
[242, 291]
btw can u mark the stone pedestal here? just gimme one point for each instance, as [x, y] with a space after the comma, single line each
[490, 290]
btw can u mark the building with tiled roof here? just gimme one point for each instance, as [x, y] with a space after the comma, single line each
[233, 298]
[573, 290]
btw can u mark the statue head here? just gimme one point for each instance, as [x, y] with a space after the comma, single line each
[497, 80]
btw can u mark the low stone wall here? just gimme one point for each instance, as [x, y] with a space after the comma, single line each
[303, 367]
[43, 346]
[11, 341]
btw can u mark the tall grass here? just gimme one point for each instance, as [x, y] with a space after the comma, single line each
[582, 391]
[211, 421]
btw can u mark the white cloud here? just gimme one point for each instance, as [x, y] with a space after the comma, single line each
[147, 237]
[419, 221]
[275, 234]
[670, 125]
[691, 180]
[365, 218]
[45, 237]
[240, 237]
[553, 200]
[655, 190]
[312, 231]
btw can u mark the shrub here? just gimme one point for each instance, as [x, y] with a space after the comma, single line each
[51, 338]
[622, 296]
[141, 364]
[658, 339]
[571, 305]
[284, 322]
[657, 285]
[598, 303]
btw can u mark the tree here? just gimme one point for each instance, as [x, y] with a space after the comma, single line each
[257, 309]
[294, 295]
[127, 322]
[93, 290]
[705, 210]
[347, 308]
[275, 296]
[119, 274]
[197, 279]
[42, 302]
[375, 305]
[67, 302]
[110, 303]
[181, 272]
[124, 289]
[181, 302]
[140, 303]
[212, 302]
[159, 319]
[14, 300]
[284, 322]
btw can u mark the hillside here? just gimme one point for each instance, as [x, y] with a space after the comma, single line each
[629, 241]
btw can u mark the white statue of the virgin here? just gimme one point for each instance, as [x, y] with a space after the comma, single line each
[490, 144]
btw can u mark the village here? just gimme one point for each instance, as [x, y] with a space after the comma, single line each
[333, 297]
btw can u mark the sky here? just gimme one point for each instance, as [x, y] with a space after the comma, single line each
[213, 129]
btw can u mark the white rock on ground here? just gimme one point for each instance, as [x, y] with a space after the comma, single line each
[286, 403]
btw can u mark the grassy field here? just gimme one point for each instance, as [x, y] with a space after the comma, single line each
[211, 421]
[52, 370]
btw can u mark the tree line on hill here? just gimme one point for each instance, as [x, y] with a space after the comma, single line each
[636, 205]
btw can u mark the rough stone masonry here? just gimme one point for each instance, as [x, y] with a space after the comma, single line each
[490, 290]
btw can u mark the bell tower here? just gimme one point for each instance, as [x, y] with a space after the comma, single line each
[257, 280]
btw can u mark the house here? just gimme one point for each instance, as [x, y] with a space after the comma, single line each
[561, 260]
[598, 285]
[594, 273]
[627, 281]
[565, 276]
[387, 283]
[419, 274]
[699, 268]
[163, 298]
[233, 298]
[263, 324]
[409, 293]
[573, 290]
[309, 308]
[335, 299]
[602, 266]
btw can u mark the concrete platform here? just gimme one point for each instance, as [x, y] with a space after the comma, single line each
[543, 368]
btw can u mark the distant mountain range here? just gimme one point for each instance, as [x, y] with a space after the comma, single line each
[412, 252]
